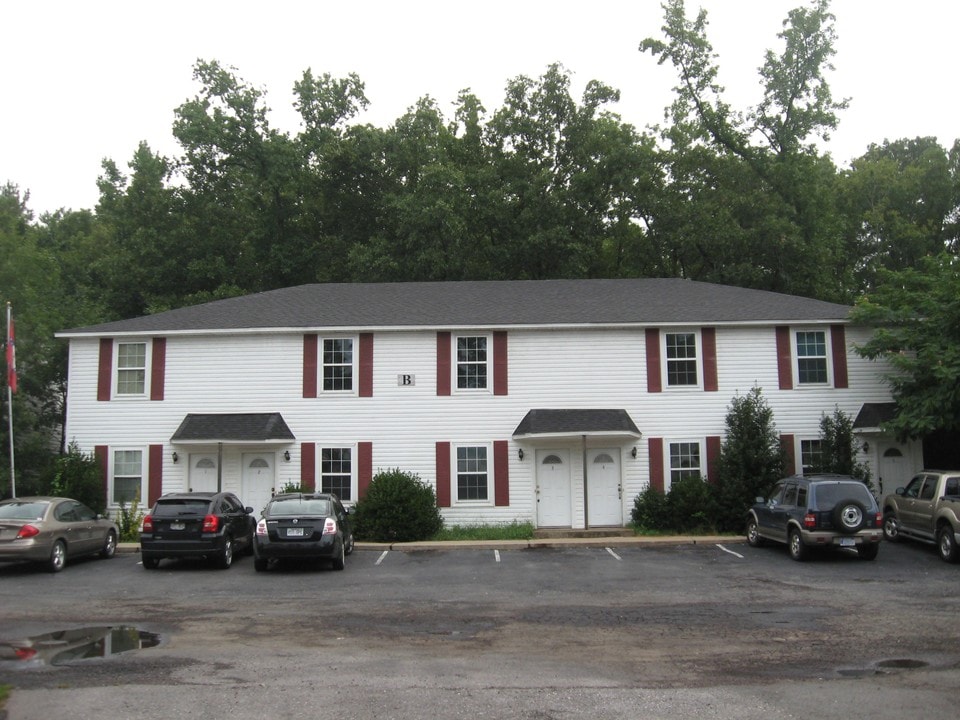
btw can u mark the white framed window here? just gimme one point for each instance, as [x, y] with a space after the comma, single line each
[681, 353]
[337, 364]
[131, 369]
[811, 456]
[127, 477]
[473, 474]
[811, 357]
[337, 472]
[685, 459]
[473, 362]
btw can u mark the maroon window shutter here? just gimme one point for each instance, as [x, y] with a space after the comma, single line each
[708, 338]
[310, 366]
[790, 460]
[443, 474]
[364, 468]
[784, 359]
[655, 448]
[713, 459]
[838, 342]
[155, 474]
[105, 369]
[654, 383]
[102, 454]
[501, 473]
[158, 368]
[500, 363]
[308, 466]
[366, 364]
[443, 363]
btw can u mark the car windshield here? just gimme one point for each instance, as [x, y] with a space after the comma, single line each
[828, 494]
[23, 510]
[186, 506]
[299, 506]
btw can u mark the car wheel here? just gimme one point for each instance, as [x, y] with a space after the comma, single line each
[109, 546]
[225, 557]
[891, 527]
[58, 557]
[259, 564]
[868, 551]
[149, 562]
[753, 533]
[349, 549]
[338, 561]
[798, 549]
[848, 516]
[947, 544]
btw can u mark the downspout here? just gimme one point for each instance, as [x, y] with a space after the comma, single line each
[586, 514]
[219, 467]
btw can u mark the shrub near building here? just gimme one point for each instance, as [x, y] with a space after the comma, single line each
[397, 507]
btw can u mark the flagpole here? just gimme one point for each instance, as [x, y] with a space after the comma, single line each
[13, 477]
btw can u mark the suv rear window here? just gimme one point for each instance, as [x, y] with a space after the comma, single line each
[828, 494]
[296, 506]
[174, 508]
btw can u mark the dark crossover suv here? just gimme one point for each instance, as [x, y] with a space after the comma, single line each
[818, 511]
[311, 526]
[212, 525]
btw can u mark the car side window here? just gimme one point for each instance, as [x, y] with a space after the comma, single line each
[929, 488]
[66, 512]
[790, 494]
[952, 487]
[913, 489]
[802, 496]
[84, 513]
[774, 496]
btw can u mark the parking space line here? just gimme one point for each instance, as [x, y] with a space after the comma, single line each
[382, 556]
[496, 554]
[610, 550]
[729, 551]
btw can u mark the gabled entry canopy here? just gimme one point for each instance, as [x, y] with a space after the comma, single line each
[873, 415]
[262, 428]
[562, 423]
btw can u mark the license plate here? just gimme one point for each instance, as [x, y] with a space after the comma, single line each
[848, 542]
[177, 526]
[294, 532]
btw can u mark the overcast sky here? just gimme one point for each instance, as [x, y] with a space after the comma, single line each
[84, 80]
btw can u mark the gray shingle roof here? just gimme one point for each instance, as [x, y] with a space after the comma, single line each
[650, 301]
[576, 421]
[233, 427]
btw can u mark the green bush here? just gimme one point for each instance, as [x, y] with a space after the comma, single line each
[128, 520]
[689, 507]
[79, 476]
[398, 507]
[650, 510]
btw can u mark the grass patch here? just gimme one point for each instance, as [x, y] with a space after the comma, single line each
[4, 694]
[503, 531]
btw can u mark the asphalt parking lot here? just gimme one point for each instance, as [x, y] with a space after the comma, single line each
[647, 630]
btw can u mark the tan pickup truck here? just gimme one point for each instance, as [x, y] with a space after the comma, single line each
[927, 509]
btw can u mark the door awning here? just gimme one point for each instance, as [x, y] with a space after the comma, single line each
[563, 423]
[873, 415]
[248, 428]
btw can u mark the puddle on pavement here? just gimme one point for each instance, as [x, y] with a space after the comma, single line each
[63, 646]
[883, 666]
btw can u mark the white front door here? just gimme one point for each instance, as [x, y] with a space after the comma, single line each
[604, 506]
[553, 488]
[203, 473]
[894, 471]
[257, 483]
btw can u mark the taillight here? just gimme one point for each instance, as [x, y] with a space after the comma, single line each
[810, 520]
[147, 524]
[27, 531]
[25, 653]
[330, 527]
[262, 527]
[210, 524]
[879, 520]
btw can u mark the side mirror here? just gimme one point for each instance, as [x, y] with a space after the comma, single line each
[900, 491]
[248, 510]
[758, 500]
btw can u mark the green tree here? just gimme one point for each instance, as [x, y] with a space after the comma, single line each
[838, 452]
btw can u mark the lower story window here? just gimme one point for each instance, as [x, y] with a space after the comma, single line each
[811, 455]
[472, 481]
[127, 476]
[684, 461]
[336, 472]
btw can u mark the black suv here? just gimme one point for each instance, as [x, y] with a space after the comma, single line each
[312, 526]
[197, 524]
[818, 511]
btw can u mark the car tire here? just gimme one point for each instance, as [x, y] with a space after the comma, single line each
[848, 516]
[796, 545]
[338, 561]
[350, 543]
[891, 527]
[259, 564]
[109, 548]
[868, 551]
[149, 562]
[753, 533]
[946, 544]
[58, 557]
[225, 555]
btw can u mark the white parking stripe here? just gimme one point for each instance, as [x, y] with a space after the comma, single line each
[610, 550]
[496, 554]
[729, 551]
[382, 556]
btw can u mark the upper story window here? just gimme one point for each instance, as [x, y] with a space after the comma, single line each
[336, 472]
[131, 368]
[472, 475]
[812, 357]
[472, 362]
[685, 461]
[337, 364]
[681, 357]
